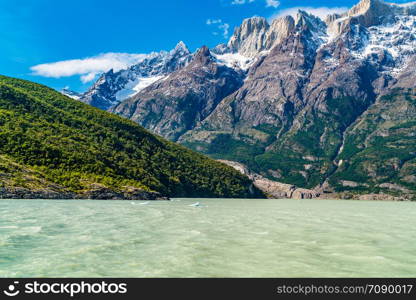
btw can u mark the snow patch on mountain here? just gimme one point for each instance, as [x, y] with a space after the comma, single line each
[397, 40]
[135, 86]
[234, 60]
[373, 31]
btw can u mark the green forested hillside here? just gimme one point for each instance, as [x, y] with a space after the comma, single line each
[70, 144]
[379, 153]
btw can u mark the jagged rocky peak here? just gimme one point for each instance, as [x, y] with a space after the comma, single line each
[382, 8]
[306, 21]
[372, 12]
[248, 39]
[369, 13]
[256, 34]
[279, 30]
[181, 48]
[365, 5]
[251, 26]
[283, 25]
[203, 56]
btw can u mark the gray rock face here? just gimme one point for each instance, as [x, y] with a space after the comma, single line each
[256, 35]
[272, 92]
[407, 78]
[369, 13]
[177, 104]
[250, 37]
[299, 100]
[273, 189]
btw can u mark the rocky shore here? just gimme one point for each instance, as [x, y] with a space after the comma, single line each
[94, 194]
[277, 190]
[273, 189]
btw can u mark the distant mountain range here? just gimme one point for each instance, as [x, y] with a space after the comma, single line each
[327, 105]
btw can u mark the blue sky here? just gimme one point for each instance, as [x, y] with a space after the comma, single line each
[39, 32]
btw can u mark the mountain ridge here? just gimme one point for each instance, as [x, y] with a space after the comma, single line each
[193, 93]
[305, 84]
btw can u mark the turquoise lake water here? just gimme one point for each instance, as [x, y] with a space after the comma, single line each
[220, 238]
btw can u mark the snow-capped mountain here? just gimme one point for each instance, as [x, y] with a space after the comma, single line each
[384, 27]
[371, 30]
[186, 97]
[113, 87]
[327, 104]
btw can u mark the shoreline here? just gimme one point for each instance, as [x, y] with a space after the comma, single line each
[169, 199]
[102, 194]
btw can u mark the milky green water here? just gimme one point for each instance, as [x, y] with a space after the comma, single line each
[222, 238]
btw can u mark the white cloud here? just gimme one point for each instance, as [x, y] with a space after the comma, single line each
[321, 12]
[88, 68]
[240, 2]
[88, 77]
[269, 3]
[221, 26]
[225, 29]
[272, 3]
[214, 21]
